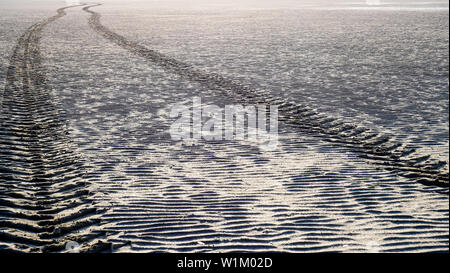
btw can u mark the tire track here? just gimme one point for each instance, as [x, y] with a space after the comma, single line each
[371, 145]
[44, 202]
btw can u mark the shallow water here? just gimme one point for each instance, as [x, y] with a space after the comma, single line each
[380, 69]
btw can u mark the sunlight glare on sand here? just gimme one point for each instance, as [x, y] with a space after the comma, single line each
[373, 2]
[72, 2]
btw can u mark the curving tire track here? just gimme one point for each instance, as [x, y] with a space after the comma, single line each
[44, 202]
[376, 147]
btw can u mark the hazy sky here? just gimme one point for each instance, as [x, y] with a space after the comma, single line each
[241, 4]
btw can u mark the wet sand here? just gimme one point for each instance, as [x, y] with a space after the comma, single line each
[86, 156]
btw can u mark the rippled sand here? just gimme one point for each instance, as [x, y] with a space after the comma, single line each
[362, 164]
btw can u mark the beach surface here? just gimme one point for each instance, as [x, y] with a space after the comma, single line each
[86, 154]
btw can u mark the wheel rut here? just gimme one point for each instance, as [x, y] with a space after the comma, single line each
[44, 201]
